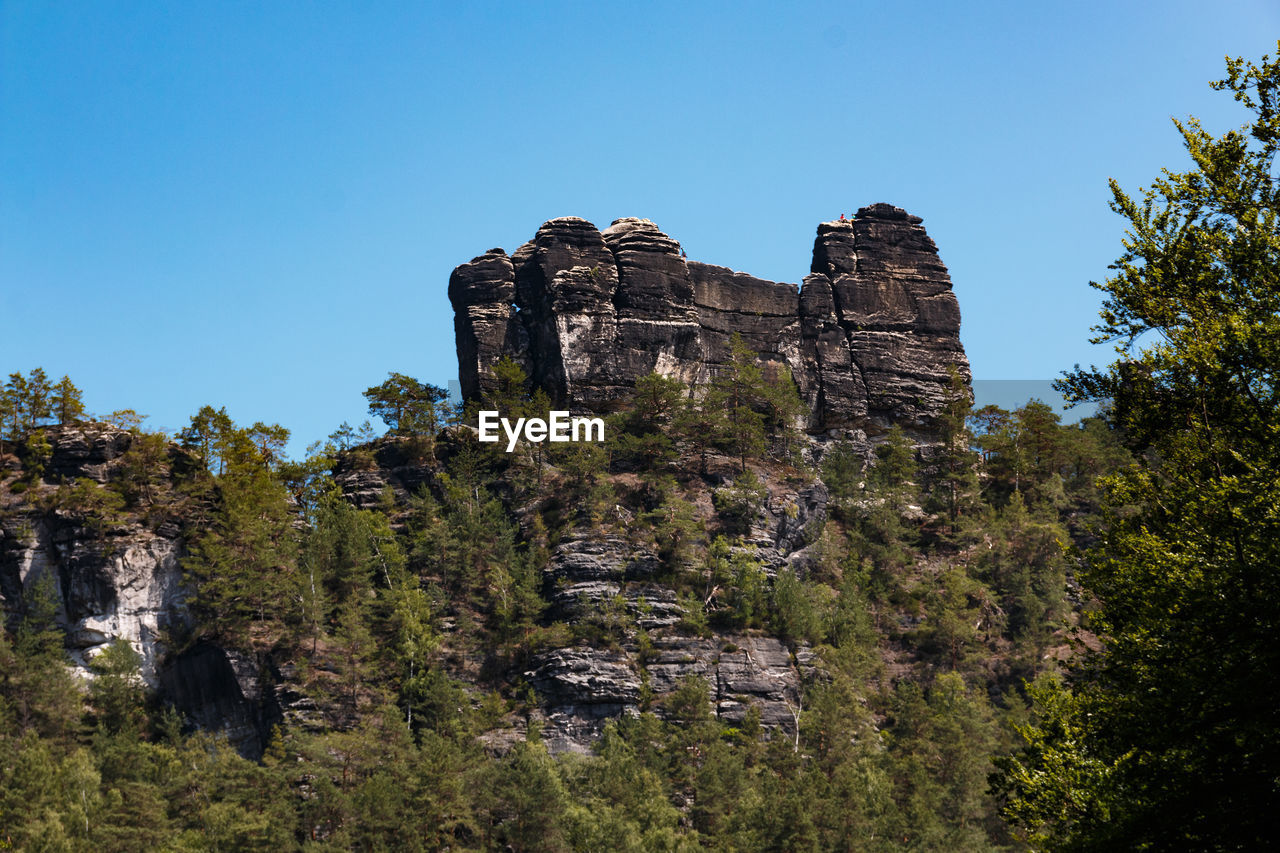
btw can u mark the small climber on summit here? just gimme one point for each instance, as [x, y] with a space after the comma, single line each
[842, 217]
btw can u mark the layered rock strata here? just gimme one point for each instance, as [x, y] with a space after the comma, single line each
[870, 336]
[112, 579]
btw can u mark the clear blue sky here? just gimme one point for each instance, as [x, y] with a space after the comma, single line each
[258, 205]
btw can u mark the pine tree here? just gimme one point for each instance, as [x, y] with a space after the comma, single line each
[644, 439]
[737, 392]
[38, 404]
[245, 559]
[66, 402]
[953, 479]
[117, 690]
[15, 398]
[406, 405]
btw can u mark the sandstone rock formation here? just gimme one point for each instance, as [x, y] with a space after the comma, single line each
[869, 336]
[119, 580]
[115, 578]
[603, 578]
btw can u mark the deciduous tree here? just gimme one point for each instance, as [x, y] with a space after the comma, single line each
[1170, 739]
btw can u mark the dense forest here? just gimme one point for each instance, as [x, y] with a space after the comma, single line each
[1011, 632]
[936, 589]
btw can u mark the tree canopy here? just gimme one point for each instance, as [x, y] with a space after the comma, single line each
[407, 405]
[1167, 738]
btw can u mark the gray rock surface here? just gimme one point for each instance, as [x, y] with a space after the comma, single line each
[603, 580]
[225, 692]
[120, 579]
[114, 581]
[869, 337]
[580, 689]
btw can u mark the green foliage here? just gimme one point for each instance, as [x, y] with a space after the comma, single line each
[697, 425]
[212, 436]
[737, 392]
[797, 609]
[747, 410]
[952, 480]
[116, 692]
[960, 617]
[36, 453]
[26, 403]
[244, 560]
[407, 406]
[468, 543]
[351, 551]
[586, 486]
[1026, 568]
[850, 630]
[842, 473]
[38, 697]
[510, 386]
[1168, 739]
[65, 402]
[676, 529]
[141, 471]
[738, 582]
[942, 740]
[345, 437]
[125, 419]
[619, 802]
[527, 802]
[876, 514]
[739, 504]
[88, 502]
[644, 440]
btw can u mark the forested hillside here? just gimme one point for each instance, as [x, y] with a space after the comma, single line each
[409, 618]
[726, 626]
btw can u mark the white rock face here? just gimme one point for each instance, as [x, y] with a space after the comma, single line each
[112, 576]
[127, 587]
[149, 594]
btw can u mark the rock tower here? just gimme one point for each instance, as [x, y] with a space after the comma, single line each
[870, 335]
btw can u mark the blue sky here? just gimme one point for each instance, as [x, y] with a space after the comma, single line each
[258, 205]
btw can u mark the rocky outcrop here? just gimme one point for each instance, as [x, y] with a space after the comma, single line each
[892, 296]
[870, 336]
[392, 468]
[111, 577]
[224, 692]
[582, 688]
[115, 576]
[604, 586]
[127, 586]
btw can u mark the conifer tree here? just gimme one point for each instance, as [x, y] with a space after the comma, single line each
[244, 560]
[406, 405]
[66, 402]
[39, 399]
[736, 393]
[953, 479]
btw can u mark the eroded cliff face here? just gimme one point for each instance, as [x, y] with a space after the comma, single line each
[115, 573]
[112, 577]
[870, 336]
[594, 577]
